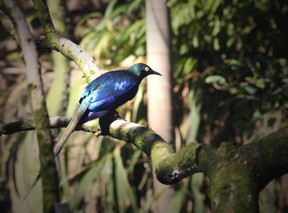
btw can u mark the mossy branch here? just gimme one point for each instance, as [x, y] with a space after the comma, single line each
[195, 157]
[55, 122]
[68, 48]
[170, 167]
[266, 157]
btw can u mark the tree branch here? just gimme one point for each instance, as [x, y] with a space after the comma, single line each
[170, 167]
[266, 157]
[55, 122]
[237, 173]
[69, 49]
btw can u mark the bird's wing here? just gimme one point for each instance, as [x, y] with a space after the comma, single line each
[108, 94]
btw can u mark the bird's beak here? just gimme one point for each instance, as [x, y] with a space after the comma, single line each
[154, 72]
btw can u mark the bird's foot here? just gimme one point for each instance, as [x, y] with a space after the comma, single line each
[106, 120]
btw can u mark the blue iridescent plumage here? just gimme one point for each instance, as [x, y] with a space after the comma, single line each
[104, 94]
[109, 91]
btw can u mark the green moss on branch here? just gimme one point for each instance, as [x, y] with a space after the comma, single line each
[170, 167]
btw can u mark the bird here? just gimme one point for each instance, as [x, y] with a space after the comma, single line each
[103, 95]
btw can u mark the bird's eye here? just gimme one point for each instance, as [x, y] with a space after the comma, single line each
[146, 69]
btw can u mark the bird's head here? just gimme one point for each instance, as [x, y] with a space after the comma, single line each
[142, 70]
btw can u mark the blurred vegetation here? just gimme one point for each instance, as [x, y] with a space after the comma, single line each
[230, 84]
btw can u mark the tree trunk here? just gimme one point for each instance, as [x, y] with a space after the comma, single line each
[159, 89]
[39, 110]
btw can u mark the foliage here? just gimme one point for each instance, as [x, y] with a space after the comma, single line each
[236, 52]
[117, 34]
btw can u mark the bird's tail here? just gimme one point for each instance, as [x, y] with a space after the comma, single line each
[33, 185]
[60, 144]
[70, 128]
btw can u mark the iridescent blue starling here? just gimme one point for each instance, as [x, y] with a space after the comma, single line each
[104, 94]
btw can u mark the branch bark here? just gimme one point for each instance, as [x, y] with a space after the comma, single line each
[170, 167]
[65, 46]
[237, 173]
[55, 122]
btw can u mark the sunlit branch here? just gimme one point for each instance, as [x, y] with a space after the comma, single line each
[170, 167]
[55, 122]
[68, 48]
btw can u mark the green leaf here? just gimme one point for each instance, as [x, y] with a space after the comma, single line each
[189, 65]
[196, 184]
[177, 202]
[216, 79]
[250, 89]
[85, 183]
[133, 161]
[137, 105]
[260, 83]
[86, 18]
[194, 117]
[110, 8]
[125, 193]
